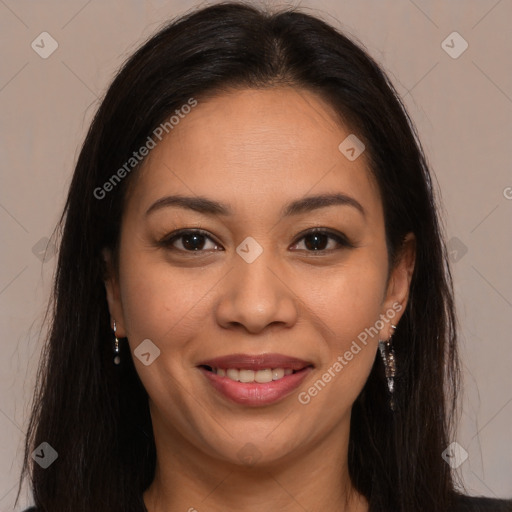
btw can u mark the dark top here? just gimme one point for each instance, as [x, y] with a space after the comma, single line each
[464, 504]
[481, 504]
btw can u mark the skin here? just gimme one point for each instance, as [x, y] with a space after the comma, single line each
[254, 150]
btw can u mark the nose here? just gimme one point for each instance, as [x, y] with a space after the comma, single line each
[257, 295]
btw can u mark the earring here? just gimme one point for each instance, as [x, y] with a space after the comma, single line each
[117, 357]
[388, 357]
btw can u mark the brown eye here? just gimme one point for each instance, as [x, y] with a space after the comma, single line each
[318, 240]
[197, 241]
[189, 240]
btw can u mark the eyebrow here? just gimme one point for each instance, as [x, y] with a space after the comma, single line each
[207, 206]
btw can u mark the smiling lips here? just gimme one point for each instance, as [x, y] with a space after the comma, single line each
[255, 380]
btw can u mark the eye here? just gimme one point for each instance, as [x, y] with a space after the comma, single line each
[316, 240]
[195, 240]
[191, 240]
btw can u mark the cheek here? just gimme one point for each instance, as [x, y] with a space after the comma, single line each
[345, 301]
[167, 306]
[158, 301]
[346, 306]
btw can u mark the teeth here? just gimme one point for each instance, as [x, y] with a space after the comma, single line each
[246, 375]
[232, 373]
[261, 376]
[277, 373]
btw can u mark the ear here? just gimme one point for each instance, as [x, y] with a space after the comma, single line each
[397, 293]
[113, 294]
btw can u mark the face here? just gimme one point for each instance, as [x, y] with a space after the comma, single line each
[247, 279]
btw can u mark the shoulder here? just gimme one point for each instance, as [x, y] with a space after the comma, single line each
[481, 504]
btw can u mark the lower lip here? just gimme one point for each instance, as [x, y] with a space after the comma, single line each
[255, 394]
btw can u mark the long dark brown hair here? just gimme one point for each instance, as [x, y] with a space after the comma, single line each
[96, 415]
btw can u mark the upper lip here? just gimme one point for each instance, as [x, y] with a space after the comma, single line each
[256, 362]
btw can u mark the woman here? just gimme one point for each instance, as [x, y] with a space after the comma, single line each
[253, 308]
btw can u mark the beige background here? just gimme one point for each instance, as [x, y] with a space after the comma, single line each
[462, 108]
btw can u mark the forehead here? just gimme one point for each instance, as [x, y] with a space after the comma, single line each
[252, 148]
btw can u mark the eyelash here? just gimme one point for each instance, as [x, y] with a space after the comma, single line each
[341, 239]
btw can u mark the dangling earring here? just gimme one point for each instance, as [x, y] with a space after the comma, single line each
[117, 357]
[388, 356]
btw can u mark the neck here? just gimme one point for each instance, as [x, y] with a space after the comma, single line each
[188, 480]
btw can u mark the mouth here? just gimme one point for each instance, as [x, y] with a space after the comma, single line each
[255, 380]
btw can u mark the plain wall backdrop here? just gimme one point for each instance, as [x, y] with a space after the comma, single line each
[459, 98]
